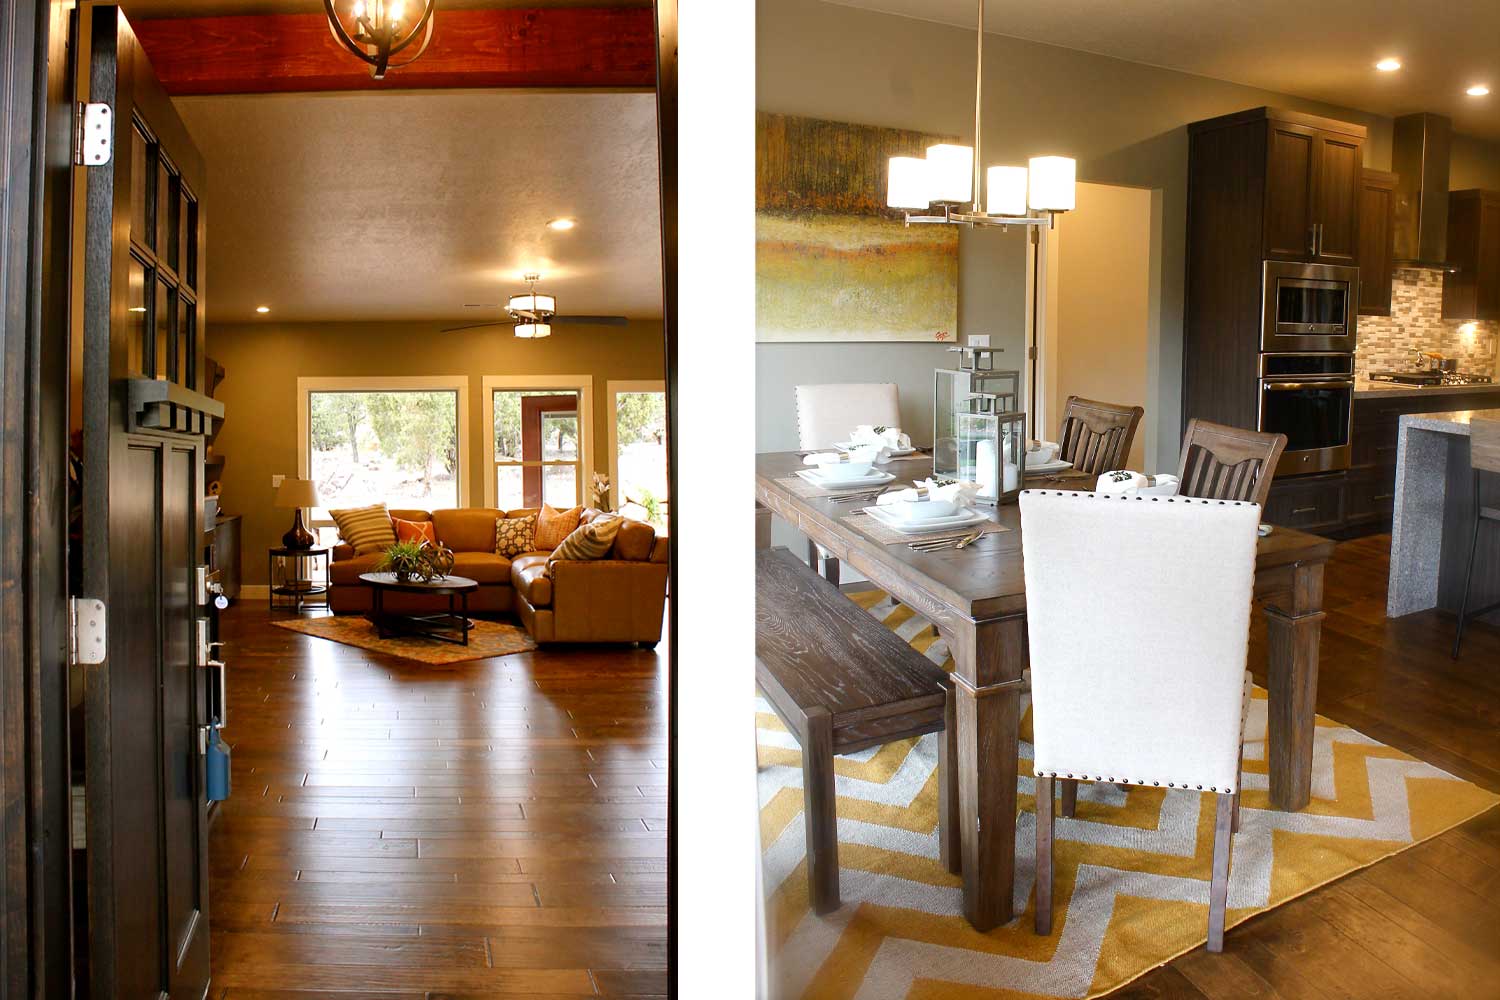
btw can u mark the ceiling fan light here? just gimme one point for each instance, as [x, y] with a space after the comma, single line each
[532, 303]
[1005, 191]
[1052, 183]
[951, 172]
[532, 331]
[906, 184]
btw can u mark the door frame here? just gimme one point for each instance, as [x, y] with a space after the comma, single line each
[35, 824]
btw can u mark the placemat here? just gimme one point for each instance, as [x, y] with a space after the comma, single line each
[867, 525]
[802, 488]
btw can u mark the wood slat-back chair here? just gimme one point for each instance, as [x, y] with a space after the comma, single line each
[1096, 437]
[1227, 463]
[1484, 457]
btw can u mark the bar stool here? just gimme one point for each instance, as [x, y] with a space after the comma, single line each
[1484, 457]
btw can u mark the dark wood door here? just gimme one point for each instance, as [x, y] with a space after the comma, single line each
[139, 273]
[1339, 169]
[1377, 205]
[534, 410]
[1291, 160]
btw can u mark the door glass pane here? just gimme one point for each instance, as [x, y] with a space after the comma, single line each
[171, 223]
[190, 242]
[139, 182]
[162, 205]
[560, 485]
[187, 361]
[641, 454]
[560, 436]
[509, 487]
[400, 447]
[165, 366]
[139, 354]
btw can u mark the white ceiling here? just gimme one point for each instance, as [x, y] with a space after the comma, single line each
[409, 204]
[1322, 50]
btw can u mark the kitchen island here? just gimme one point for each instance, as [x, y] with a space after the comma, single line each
[1434, 517]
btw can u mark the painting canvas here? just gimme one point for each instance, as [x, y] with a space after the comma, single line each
[832, 263]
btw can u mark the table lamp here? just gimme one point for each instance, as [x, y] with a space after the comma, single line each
[298, 493]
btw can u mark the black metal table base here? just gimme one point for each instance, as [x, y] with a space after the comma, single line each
[450, 626]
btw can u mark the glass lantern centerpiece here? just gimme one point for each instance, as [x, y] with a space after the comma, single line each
[975, 440]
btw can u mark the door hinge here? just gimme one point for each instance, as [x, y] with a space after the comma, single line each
[93, 134]
[87, 632]
[1031, 352]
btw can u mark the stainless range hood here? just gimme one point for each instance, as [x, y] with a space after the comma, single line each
[1419, 156]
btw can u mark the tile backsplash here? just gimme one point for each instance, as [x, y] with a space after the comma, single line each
[1416, 321]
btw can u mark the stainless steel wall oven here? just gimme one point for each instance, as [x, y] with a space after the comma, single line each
[1308, 397]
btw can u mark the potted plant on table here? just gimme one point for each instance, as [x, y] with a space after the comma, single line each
[403, 560]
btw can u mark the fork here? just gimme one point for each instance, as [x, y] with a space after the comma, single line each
[855, 497]
[945, 543]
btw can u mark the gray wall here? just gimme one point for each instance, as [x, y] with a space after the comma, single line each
[1124, 122]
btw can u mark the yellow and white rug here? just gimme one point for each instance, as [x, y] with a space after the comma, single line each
[1132, 868]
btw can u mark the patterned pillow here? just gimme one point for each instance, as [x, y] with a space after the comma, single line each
[368, 529]
[552, 526]
[514, 535]
[588, 541]
[414, 531]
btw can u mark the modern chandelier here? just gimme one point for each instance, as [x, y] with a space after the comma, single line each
[382, 30]
[949, 176]
[532, 311]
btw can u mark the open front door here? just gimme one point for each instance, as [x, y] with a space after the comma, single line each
[140, 272]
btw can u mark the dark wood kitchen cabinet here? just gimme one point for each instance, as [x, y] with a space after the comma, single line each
[1473, 291]
[1312, 186]
[1377, 213]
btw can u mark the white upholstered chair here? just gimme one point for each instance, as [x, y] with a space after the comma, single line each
[828, 414]
[1138, 608]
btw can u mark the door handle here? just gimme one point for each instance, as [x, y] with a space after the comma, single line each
[1312, 239]
[220, 693]
[1303, 510]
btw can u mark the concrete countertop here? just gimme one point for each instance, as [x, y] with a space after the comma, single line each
[1448, 421]
[1364, 389]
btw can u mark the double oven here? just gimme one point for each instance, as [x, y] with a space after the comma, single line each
[1306, 369]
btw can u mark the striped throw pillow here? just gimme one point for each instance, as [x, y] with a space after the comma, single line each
[368, 529]
[588, 541]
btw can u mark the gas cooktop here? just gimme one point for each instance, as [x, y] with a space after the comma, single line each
[1431, 378]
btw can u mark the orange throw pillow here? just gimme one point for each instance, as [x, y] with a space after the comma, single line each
[552, 526]
[414, 531]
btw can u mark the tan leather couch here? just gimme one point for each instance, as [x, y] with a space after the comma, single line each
[620, 598]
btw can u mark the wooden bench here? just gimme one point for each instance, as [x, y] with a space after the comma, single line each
[841, 681]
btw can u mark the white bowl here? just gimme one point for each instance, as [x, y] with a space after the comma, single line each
[1041, 453]
[840, 472]
[922, 510]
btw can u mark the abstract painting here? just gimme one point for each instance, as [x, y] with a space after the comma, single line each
[832, 263]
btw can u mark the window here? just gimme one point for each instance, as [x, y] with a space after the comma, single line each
[400, 441]
[638, 450]
[540, 429]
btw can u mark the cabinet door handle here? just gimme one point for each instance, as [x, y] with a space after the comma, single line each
[1312, 239]
[1386, 496]
[1303, 510]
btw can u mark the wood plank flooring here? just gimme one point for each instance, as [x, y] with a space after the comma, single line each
[410, 832]
[1425, 923]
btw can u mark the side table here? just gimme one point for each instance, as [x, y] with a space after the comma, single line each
[296, 582]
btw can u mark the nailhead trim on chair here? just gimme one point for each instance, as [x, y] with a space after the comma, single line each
[1227, 790]
[1121, 496]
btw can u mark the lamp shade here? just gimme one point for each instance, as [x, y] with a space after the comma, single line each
[950, 172]
[532, 331]
[906, 184]
[297, 493]
[532, 303]
[1005, 191]
[1052, 183]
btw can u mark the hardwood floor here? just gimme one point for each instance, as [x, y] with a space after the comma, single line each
[1425, 923]
[411, 832]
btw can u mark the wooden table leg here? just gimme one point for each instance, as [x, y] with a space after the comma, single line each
[987, 655]
[1294, 625]
[818, 809]
[762, 526]
[950, 844]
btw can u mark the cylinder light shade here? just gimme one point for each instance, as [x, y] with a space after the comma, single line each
[532, 331]
[1052, 185]
[297, 493]
[906, 185]
[532, 303]
[1005, 191]
[951, 172]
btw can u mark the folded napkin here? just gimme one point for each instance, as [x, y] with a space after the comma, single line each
[1128, 483]
[962, 494]
[888, 438]
[834, 457]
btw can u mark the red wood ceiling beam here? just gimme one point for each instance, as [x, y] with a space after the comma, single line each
[511, 47]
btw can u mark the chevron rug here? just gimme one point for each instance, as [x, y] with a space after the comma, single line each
[1132, 869]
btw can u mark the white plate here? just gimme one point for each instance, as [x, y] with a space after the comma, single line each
[1056, 465]
[895, 452]
[960, 520]
[875, 478]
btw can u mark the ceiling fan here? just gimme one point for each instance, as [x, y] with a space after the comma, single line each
[533, 314]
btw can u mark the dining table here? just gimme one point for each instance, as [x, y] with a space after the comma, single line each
[976, 598]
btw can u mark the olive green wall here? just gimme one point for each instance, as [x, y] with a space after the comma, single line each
[263, 361]
[1125, 123]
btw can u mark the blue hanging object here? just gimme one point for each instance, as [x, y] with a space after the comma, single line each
[218, 766]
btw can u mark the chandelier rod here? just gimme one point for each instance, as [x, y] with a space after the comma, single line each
[978, 104]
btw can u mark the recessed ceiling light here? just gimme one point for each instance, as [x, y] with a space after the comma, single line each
[137, 309]
[562, 225]
[1478, 90]
[262, 309]
[1388, 65]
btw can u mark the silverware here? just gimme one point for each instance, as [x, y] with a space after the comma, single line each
[970, 538]
[854, 497]
[938, 544]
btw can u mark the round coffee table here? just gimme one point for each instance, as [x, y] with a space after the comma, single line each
[450, 626]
